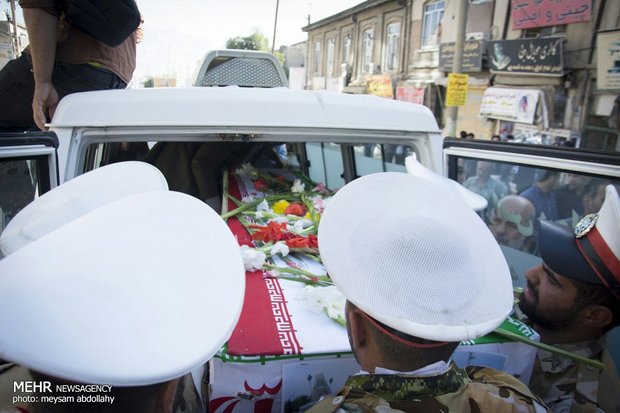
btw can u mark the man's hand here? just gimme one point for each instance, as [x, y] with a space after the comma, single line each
[44, 102]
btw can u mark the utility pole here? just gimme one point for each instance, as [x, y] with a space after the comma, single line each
[461, 27]
[15, 34]
[275, 25]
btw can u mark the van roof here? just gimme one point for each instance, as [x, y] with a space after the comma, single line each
[243, 107]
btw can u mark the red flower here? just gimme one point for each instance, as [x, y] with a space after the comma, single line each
[271, 232]
[260, 185]
[295, 209]
[302, 242]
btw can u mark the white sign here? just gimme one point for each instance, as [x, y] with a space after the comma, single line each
[516, 105]
[608, 60]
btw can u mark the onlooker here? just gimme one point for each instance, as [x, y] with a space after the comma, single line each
[60, 60]
[512, 223]
[569, 196]
[542, 196]
[413, 293]
[486, 185]
[572, 300]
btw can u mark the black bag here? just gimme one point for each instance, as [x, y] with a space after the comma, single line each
[109, 21]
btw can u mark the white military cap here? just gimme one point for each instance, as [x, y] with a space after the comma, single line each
[138, 290]
[414, 258]
[56, 208]
[475, 201]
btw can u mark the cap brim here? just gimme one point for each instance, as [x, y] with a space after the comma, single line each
[78, 197]
[558, 249]
[471, 199]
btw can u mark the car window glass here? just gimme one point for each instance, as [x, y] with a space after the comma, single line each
[19, 185]
[517, 195]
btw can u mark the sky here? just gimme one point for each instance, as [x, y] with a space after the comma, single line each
[178, 33]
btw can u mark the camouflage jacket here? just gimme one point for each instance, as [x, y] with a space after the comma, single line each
[567, 386]
[475, 389]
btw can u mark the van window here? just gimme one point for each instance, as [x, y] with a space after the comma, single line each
[322, 162]
[20, 184]
[518, 195]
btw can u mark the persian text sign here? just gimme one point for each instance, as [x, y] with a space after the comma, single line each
[527, 56]
[516, 105]
[456, 94]
[608, 60]
[472, 56]
[528, 14]
[410, 94]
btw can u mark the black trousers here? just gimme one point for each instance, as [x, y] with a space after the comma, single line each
[17, 88]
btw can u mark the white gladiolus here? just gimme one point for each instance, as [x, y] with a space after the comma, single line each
[328, 299]
[298, 186]
[263, 206]
[281, 248]
[252, 258]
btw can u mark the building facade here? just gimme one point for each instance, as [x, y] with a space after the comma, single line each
[544, 71]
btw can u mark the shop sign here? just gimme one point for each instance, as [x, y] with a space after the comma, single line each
[528, 14]
[527, 56]
[410, 93]
[515, 105]
[456, 93]
[380, 85]
[472, 56]
[608, 60]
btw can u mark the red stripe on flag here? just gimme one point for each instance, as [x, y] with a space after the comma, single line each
[256, 332]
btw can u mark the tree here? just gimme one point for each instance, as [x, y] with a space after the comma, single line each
[255, 41]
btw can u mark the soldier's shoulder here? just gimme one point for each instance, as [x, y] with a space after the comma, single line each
[507, 387]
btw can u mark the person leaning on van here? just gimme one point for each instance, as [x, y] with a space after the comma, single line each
[60, 60]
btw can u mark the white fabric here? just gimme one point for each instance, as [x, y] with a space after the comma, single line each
[78, 197]
[138, 291]
[434, 369]
[475, 201]
[415, 258]
[608, 223]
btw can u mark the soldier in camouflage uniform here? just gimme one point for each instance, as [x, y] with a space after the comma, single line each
[572, 299]
[414, 290]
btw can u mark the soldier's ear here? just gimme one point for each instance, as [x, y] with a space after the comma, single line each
[357, 328]
[596, 316]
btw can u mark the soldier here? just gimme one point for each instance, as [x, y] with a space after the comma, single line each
[108, 296]
[408, 260]
[572, 300]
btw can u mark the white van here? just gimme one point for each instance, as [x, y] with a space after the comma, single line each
[330, 138]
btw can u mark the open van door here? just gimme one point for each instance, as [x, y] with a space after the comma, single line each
[575, 188]
[28, 169]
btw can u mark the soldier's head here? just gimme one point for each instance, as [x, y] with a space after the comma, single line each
[512, 221]
[408, 261]
[575, 293]
[125, 288]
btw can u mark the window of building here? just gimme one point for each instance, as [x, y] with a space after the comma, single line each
[346, 49]
[392, 48]
[431, 26]
[367, 45]
[331, 47]
[316, 57]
